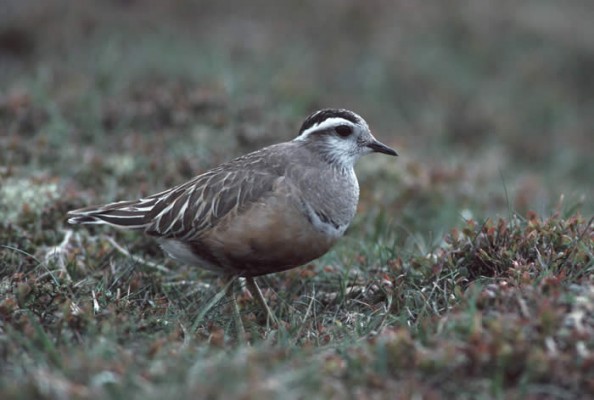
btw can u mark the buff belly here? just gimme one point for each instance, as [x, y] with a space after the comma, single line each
[271, 236]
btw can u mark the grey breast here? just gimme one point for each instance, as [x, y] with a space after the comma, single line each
[329, 191]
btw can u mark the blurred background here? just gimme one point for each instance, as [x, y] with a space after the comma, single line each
[490, 103]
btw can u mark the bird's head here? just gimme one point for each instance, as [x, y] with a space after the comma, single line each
[340, 136]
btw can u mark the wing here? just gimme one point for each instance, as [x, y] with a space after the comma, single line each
[192, 208]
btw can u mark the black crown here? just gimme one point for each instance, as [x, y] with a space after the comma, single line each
[320, 116]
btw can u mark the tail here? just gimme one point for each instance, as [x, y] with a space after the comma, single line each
[123, 214]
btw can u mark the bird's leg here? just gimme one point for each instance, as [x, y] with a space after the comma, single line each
[255, 290]
[230, 288]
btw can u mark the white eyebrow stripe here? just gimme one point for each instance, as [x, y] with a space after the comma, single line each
[325, 124]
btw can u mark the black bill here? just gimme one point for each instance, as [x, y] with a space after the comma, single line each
[379, 147]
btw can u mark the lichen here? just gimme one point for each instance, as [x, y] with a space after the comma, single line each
[18, 196]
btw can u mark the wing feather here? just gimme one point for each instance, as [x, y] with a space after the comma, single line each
[202, 205]
[186, 211]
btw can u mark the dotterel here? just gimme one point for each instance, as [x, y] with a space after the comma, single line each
[268, 211]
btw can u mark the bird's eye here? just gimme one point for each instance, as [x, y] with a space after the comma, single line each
[344, 130]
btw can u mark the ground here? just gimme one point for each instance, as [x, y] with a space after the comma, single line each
[467, 273]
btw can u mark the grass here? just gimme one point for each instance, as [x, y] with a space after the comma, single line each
[467, 272]
[504, 303]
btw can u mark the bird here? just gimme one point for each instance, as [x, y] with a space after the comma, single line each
[268, 211]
